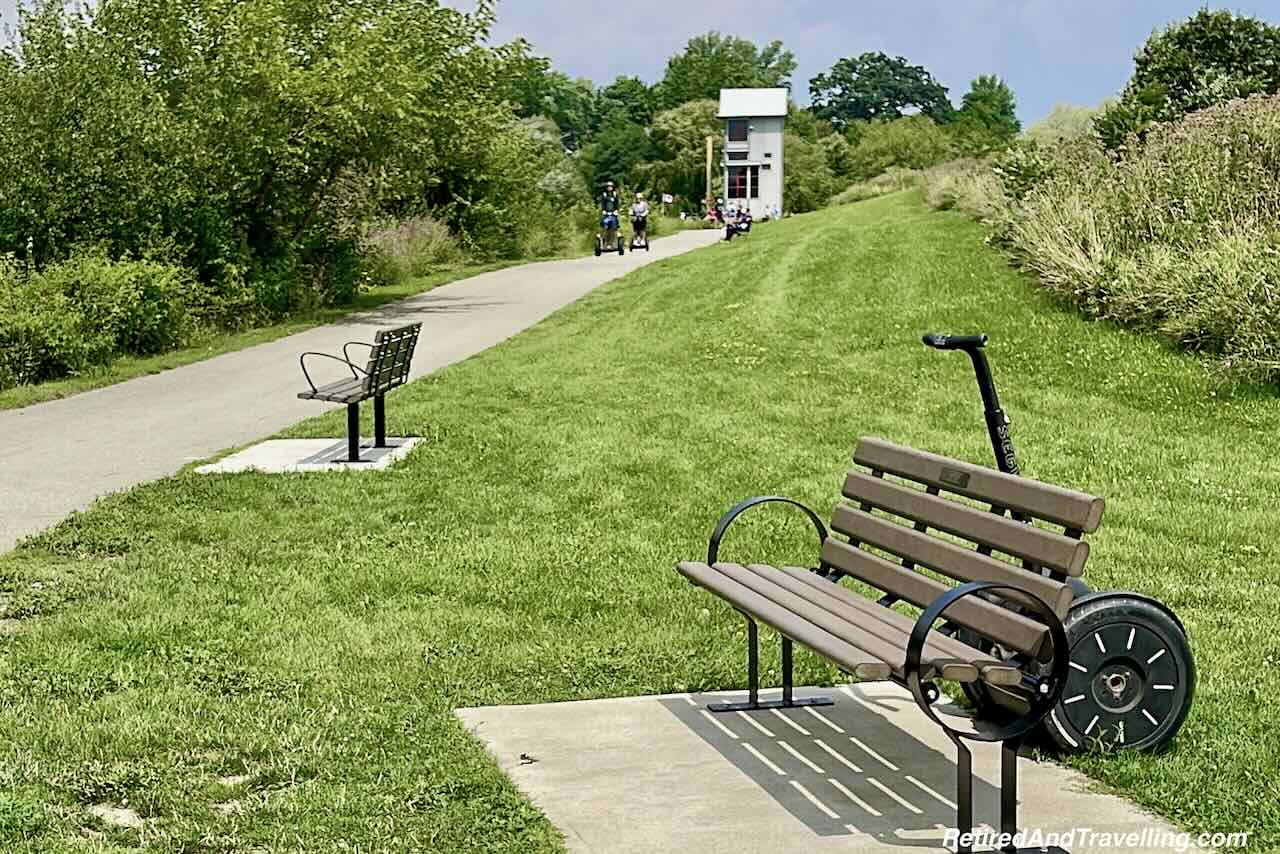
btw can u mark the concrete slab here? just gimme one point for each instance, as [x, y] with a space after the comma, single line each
[870, 774]
[280, 456]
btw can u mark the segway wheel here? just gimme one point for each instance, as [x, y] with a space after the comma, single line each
[622, 247]
[1131, 680]
[599, 247]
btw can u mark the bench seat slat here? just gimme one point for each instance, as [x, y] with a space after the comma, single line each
[875, 637]
[851, 659]
[947, 558]
[1001, 533]
[1046, 501]
[992, 671]
[988, 619]
[342, 391]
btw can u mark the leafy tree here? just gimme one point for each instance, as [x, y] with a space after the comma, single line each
[810, 183]
[712, 62]
[1211, 57]
[249, 139]
[630, 96]
[875, 86]
[988, 118]
[621, 146]
[680, 142]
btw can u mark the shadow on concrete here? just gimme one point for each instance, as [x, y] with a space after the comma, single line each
[842, 770]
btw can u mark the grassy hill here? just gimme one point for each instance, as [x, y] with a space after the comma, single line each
[279, 635]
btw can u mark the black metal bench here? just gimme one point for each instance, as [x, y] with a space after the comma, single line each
[1011, 607]
[390, 356]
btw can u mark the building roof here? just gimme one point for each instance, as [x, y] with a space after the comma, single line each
[752, 103]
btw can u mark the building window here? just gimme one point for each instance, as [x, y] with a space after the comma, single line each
[737, 155]
[738, 181]
[738, 130]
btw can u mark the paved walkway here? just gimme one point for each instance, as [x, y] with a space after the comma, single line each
[58, 457]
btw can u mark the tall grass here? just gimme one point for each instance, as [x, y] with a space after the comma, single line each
[1179, 237]
[892, 180]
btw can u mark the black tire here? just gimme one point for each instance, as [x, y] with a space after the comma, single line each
[1132, 676]
[599, 247]
[622, 247]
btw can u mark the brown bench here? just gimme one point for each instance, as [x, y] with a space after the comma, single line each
[995, 553]
[390, 356]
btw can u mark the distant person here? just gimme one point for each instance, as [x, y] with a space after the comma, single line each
[718, 210]
[610, 201]
[610, 204]
[640, 220]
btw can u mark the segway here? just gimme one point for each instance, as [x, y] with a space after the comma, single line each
[639, 230]
[1132, 675]
[611, 237]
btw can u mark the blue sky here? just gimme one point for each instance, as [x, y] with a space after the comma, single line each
[1078, 51]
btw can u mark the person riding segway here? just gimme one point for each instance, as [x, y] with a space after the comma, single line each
[610, 202]
[640, 224]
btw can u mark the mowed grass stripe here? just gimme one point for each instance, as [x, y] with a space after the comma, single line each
[314, 633]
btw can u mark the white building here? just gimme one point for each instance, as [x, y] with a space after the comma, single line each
[753, 170]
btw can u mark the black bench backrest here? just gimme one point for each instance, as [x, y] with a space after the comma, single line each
[390, 358]
[896, 517]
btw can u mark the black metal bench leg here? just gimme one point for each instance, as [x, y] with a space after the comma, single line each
[964, 794]
[1009, 787]
[786, 672]
[353, 432]
[753, 703]
[1008, 798]
[380, 421]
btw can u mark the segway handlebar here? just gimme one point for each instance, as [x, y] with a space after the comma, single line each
[946, 341]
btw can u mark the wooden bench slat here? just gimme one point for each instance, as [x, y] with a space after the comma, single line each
[988, 619]
[1001, 533]
[875, 637]
[1034, 498]
[992, 671]
[947, 558]
[336, 392]
[851, 659]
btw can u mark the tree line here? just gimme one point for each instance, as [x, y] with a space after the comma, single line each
[867, 113]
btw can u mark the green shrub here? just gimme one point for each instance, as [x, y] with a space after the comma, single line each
[143, 307]
[77, 315]
[914, 142]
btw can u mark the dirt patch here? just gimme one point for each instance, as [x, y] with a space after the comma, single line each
[234, 780]
[10, 626]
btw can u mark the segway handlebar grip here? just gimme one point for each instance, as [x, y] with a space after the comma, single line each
[946, 341]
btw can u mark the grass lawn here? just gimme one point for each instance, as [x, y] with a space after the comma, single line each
[304, 639]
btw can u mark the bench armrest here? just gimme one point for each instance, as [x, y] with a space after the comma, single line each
[347, 355]
[1046, 691]
[713, 546]
[302, 361]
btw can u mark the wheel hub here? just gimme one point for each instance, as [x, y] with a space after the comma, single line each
[1118, 687]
